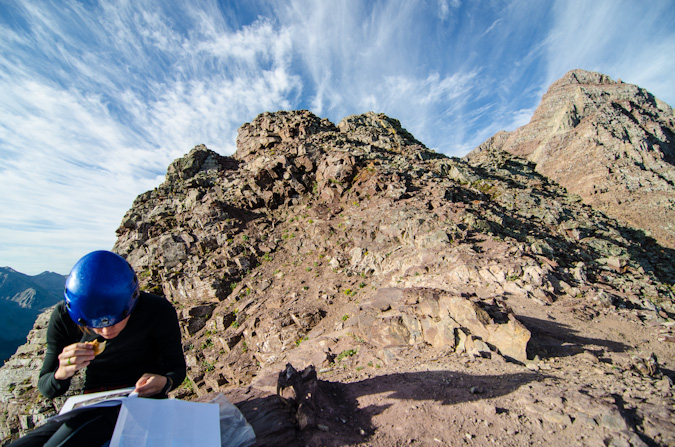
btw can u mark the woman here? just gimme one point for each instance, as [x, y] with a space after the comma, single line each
[142, 347]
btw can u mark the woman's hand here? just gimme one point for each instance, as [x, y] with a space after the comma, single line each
[72, 359]
[150, 384]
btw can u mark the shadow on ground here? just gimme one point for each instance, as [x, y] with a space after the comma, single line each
[553, 339]
[346, 411]
[322, 413]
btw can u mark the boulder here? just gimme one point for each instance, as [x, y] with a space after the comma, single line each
[395, 317]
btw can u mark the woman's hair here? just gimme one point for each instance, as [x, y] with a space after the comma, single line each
[85, 329]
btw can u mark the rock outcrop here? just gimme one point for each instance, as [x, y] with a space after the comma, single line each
[346, 250]
[610, 142]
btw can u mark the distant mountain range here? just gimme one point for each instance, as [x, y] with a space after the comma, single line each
[22, 298]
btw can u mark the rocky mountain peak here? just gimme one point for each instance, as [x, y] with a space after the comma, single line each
[270, 129]
[610, 142]
[380, 130]
[582, 77]
[199, 159]
[581, 94]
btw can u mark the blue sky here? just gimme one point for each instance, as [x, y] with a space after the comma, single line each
[97, 98]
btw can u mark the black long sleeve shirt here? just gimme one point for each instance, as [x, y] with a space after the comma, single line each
[150, 343]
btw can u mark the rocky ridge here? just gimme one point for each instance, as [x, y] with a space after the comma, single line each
[406, 289]
[610, 142]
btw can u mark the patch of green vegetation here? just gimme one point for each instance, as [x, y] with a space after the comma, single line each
[286, 235]
[188, 385]
[356, 337]
[344, 354]
[482, 185]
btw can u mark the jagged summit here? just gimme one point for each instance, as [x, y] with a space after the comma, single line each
[387, 275]
[199, 159]
[284, 130]
[610, 142]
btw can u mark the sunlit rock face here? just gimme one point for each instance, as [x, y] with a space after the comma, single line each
[610, 142]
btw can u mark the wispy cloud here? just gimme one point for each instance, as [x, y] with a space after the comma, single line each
[112, 95]
[633, 41]
[491, 27]
[97, 99]
[445, 7]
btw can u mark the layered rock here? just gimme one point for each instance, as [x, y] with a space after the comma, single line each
[394, 316]
[610, 142]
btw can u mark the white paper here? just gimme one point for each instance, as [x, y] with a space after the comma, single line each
[84, 402]
[166, 422]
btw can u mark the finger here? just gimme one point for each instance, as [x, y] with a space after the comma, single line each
[79, 366]
[143, 383]
[72, 360]
[80, 349]
[148, 391]
[150, 386]
[75, 361]
[143, 380]
[77, 349]
[77, 353]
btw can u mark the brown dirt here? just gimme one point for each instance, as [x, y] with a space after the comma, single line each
[582, 388]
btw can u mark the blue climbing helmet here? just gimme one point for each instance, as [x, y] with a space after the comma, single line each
[101, 290]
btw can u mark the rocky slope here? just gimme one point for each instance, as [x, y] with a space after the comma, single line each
[344, 285]
[610, 142]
